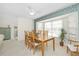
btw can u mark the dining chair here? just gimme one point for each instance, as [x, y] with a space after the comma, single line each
[27, 37]
[73, 46]
[34, 43]
[38, 42]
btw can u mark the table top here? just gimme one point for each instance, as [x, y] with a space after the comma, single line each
[51, 38]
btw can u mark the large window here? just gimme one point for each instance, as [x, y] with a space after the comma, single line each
[48, 28]
[53, 27]
[68, 22]
[39, 26]
[56, 27]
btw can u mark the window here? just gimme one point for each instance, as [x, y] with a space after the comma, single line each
[48, 28]
[53, 27]
[39, 26]
[56, 27]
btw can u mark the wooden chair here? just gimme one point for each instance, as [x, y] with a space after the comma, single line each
[73, 46]
[34, 43]
[31, 42]
[38, 42]
[27, 38]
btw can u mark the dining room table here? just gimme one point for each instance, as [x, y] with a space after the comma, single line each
[45, 41]
[37, 38]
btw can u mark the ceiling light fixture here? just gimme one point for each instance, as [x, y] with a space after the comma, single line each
[31, 10]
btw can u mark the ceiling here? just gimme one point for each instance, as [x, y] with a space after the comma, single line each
[21, 9]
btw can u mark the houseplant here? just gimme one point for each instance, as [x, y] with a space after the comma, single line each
[62, 36]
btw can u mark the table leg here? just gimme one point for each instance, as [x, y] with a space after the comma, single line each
[42, 49]
[53, 44]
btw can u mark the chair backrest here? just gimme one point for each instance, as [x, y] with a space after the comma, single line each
[74, 42]
[45, 35]
[25, 35]
[33, 35]
[72, 39]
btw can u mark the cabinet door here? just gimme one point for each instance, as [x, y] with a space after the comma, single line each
[6, 32]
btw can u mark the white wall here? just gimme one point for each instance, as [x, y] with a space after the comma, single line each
[24, 24]
[8, 20]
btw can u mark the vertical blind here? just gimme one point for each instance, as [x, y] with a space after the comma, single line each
[53, 27]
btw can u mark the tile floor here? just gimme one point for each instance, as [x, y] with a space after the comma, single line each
[17, 48]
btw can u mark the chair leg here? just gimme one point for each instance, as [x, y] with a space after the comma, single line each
[42, 49]
[67, 49]
[28, 46]
[33, 50]
[53, 45]
[71, 53]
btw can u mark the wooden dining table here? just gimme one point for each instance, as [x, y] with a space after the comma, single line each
[45, 41]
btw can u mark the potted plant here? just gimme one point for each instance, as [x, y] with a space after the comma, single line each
[62, 36]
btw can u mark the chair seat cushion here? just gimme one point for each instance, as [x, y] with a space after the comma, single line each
[71, 47]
